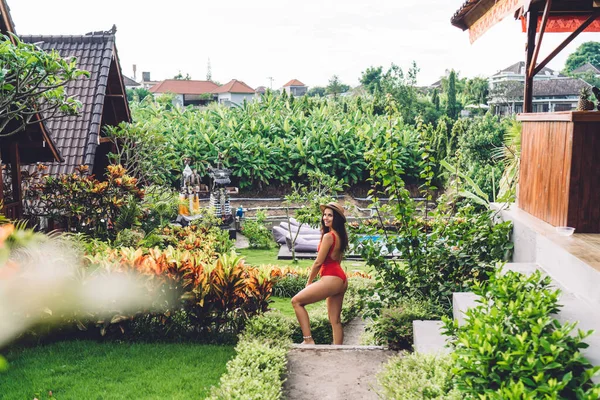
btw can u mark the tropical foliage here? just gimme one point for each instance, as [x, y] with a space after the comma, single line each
[511, 346]
[33, 81]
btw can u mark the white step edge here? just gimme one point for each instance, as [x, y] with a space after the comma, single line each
[578, 310]
[461, 302]
[523, 268]
[573, 309]
[428, 337]
[320, 347]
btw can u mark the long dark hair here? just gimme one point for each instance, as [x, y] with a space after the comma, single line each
[339, 226]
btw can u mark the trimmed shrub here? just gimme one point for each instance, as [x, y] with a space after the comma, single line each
[256, 372]
[259, 236]
[418, 376]
[394, 327]
[512, 347]
[289, 285]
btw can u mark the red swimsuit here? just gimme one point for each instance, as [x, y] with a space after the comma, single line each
[330, 266]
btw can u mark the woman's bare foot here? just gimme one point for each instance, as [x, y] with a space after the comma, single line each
[307, 340]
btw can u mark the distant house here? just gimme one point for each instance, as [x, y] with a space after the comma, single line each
[295, 88]
[549, 95]
[102, 95]
[32, 145]
[516, 72]
[260, 90]
[234, 93]
[187, 92]
[146, 82]
[551, 90]
[130, 83]
[587, 68]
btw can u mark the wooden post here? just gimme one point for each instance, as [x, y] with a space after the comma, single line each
[1, 186]
[16, 178]
[532, 20]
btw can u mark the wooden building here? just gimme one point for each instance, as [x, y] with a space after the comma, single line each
[102, 95]
[560, 169]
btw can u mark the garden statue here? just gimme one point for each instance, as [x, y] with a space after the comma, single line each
[190, 188]
[219, 195]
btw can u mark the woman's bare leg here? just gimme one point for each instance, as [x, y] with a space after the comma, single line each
[317, 291]
[334, 311]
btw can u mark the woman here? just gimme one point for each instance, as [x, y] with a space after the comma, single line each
[333, 282]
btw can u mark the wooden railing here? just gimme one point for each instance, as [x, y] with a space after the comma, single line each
[13, 210]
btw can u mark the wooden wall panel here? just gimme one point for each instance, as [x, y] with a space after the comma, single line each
[560, 169]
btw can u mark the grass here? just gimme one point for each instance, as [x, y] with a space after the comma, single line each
[263, 257]
[91, 370]
[284, 305]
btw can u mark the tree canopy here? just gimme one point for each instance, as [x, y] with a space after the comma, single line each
[32, 82]
[336, 87]
[587, 52]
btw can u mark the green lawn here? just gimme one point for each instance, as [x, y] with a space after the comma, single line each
[284, 305]
[91, 370]
[262, 257]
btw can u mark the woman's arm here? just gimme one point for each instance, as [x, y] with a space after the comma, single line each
[326, 244]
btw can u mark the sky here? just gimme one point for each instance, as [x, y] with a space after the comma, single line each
[309, 40]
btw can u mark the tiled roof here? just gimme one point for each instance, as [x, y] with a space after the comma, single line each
[558, 87]
[294, 82]
[457, 18]
[77, 137]
[179, 86]
[587, 67]
[234, 86]
[519, 69]
[129, 82]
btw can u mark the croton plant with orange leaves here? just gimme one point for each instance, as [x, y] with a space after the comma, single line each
[215, 293]
[81, 203]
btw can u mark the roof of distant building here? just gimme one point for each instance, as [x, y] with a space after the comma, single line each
[558, 87]
[587, 67]
[77, 137]
[294, 82]
[234, 86]
[518, 68]
[180, 86]
[261, 89]
[129, 82]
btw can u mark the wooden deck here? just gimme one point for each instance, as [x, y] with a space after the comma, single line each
[584, 246]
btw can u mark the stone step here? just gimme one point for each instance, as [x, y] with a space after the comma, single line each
[318, 347]
[428, 337]
[461, 302]
[523, 268]
[574, 309]
[334, 372]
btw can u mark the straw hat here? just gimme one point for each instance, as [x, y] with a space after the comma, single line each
[334, 206]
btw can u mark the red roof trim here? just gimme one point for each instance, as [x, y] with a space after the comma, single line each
[294, 82]
[234, 86]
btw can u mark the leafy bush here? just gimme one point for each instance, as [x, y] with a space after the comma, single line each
[512, 347]
[394, 327]
[256, 372]
[258, 234]
[128, 238]
[446, 254]
[289, 285]
[418, 376]
[81, 203]
[217, 297]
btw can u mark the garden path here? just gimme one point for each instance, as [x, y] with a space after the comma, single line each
[327, 372]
